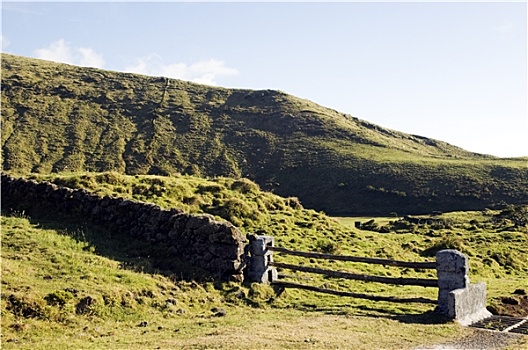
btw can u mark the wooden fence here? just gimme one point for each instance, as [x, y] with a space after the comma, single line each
[264, 270]
[367, 278]
[456, 297]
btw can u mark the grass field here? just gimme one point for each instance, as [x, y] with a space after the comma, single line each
[69, 286]
[46, 274]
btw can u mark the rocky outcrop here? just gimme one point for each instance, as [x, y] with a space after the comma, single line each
[212, 245]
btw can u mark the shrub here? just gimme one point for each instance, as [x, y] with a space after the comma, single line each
[327, 246]
[245, 186]
[140, 189]
[211, 188]
[261, 292]
[58, 298]
[505, 259]
[86, 306]
[112, 178]
[370, 225]
[23, 306]
[403, 225]
[448, 242]
[384, 229]
[237, 211]
[294, 202]
[72, 182]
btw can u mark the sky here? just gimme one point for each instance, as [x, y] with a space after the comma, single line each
[452, 71]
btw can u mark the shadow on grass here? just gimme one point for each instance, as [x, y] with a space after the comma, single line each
[402, 312]
[427, 317]
[132, 254]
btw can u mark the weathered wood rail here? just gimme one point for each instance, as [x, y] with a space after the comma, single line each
[423, 282]
[385, 262]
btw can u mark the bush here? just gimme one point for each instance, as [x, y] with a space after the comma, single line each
[58, 298]
[210, 188]
[506, 259]
[294, 203]
[238, 211]
[370, 225]
[86, 306]
[68, 182]
[327, 246]
[245, 186]
[448, 242]
[259, 293]
[403, 225]
[112, 178]
[23, 306]
[518, 215]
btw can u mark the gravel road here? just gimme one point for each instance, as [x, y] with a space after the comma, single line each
[482, 340]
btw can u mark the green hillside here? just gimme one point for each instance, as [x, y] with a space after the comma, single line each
[62, 118]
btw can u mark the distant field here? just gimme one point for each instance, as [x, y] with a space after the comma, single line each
[350, 221]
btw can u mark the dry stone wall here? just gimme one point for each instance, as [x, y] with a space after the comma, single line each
[214, 246]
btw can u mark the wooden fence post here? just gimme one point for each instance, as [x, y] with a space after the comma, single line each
[259, 259]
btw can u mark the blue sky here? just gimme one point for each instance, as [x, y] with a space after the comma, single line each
[452, 71]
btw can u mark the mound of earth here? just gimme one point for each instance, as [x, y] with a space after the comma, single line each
[515, 305]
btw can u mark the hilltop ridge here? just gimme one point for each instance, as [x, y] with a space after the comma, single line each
[63, 118]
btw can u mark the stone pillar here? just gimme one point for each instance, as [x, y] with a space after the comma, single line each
[452, 269]
[457, 298]
[258, 268]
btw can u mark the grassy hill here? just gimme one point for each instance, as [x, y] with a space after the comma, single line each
[57, 118]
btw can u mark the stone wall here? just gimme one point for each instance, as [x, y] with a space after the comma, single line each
[214, 246]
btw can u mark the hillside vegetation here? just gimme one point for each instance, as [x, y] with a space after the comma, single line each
[57, 118]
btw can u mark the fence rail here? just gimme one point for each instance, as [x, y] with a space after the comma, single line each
[423, 282]
[385, 262]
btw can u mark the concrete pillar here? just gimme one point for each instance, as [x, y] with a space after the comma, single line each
[452, 269]
[468, 305]
[457, 298]
[258, 268]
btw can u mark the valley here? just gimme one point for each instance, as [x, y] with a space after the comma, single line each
[269, 163]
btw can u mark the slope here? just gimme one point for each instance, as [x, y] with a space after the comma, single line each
[57, 118]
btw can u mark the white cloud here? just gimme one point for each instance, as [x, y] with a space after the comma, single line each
[61, 51]
[58, 51]
[90, 58]
[5, 42]
[203, 72]
[505, 28]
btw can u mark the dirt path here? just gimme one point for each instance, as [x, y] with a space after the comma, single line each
[479, 339]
